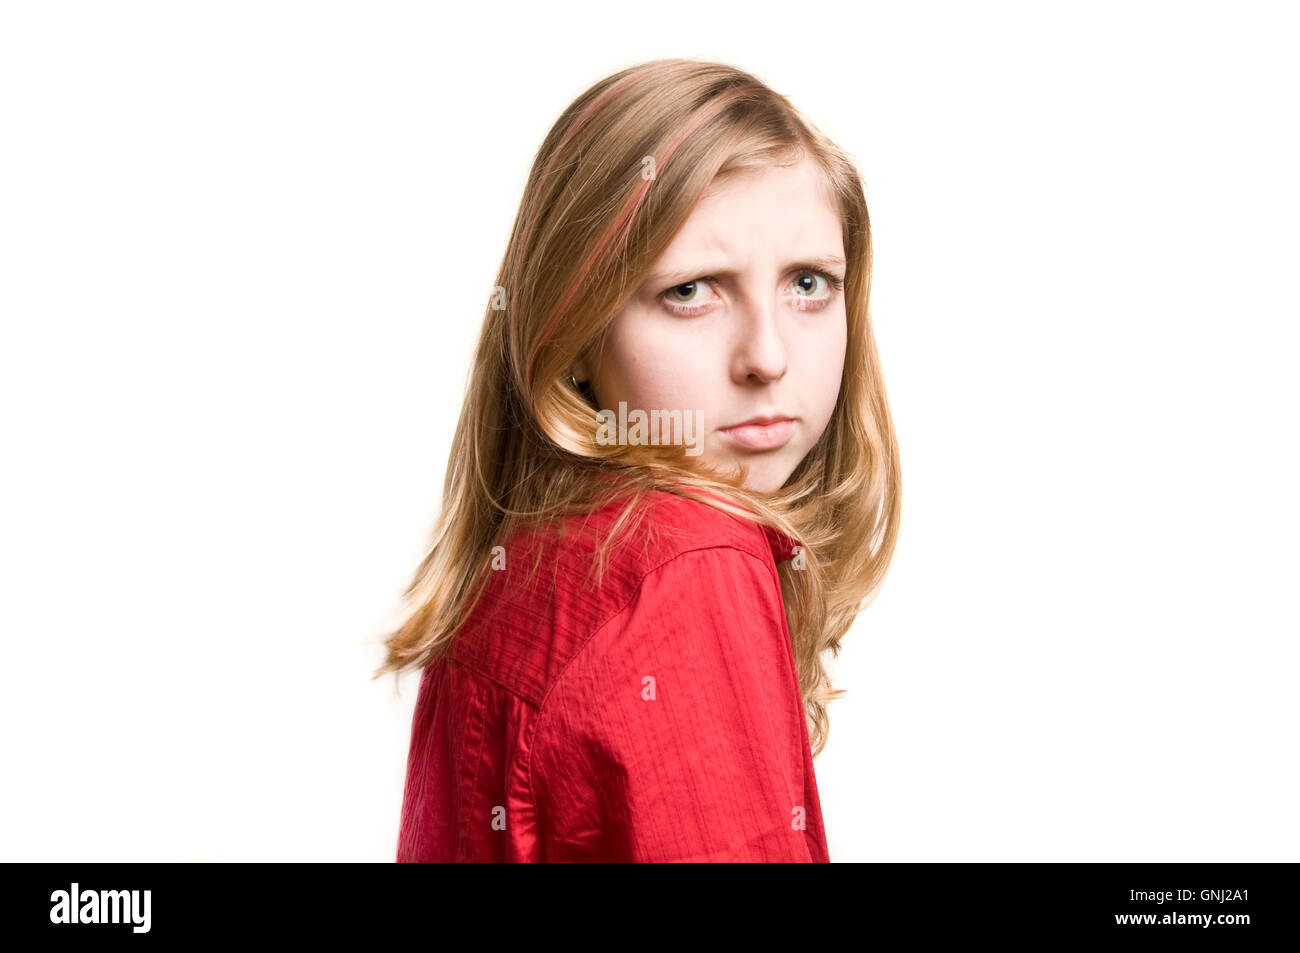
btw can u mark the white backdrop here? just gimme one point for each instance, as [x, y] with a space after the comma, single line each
[243, 253]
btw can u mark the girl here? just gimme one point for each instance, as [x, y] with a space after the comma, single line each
[689, 247]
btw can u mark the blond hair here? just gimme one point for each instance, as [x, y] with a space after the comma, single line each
[590, 226]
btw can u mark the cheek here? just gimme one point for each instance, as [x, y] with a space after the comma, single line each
[654, 364]
[824, 368]
[833, 363]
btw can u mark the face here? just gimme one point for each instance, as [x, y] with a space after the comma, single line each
[742, 317]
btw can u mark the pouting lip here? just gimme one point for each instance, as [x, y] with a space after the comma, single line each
[761, 421]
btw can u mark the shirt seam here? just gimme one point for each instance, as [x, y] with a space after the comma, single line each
[462, 846]
[488, 677]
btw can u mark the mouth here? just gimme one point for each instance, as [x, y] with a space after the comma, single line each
[761, 433]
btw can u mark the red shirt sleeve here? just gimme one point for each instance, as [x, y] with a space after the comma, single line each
[677, 733]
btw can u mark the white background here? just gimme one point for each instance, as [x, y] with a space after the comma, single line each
[244, 250]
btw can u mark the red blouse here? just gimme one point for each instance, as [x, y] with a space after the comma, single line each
[655, 717]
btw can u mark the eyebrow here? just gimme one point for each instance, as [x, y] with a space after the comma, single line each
[670, 279]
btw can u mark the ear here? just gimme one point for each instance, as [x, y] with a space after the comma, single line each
[579, 371]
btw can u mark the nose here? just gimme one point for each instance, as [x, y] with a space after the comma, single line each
[760, 353]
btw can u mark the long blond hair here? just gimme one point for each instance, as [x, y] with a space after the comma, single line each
[590, 227]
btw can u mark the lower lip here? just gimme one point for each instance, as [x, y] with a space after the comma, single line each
[760, 437]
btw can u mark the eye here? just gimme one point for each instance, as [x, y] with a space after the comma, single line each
[684, 293]
[808, 298]
[832, 283]
[687, 298]
[690, 298]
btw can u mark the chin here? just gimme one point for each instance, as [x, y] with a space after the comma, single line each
[765, 476]
[766, 482]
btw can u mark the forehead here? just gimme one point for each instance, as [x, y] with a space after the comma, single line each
[784, 208]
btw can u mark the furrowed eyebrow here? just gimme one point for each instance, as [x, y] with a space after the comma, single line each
[671, 279]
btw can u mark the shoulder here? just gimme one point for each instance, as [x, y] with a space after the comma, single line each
[683, 704]
[679, 550]
[628, 543]
[705, 609]
[553, 591]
